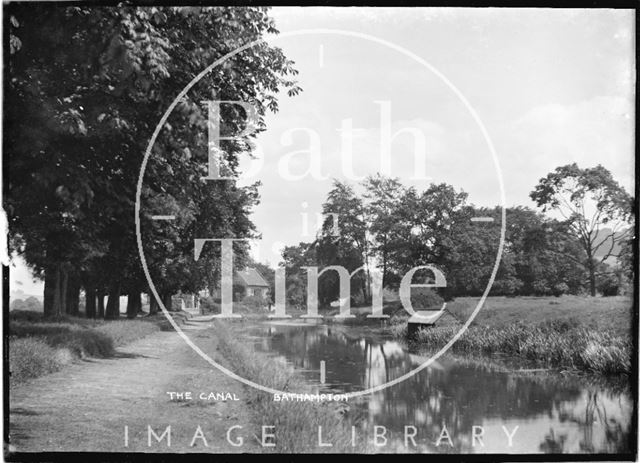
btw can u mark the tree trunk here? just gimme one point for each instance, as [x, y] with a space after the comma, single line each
[140, 311]
[369, 297]
[90, 301]
[73, 297]
[113, 303]
[167, 301]
[52, 306]
[384, 270]
[49, 290]
[153, 304]
[100, 304]
[64, 283]
[364, 289]
[365, 260]
[592, 280]
[134, 303]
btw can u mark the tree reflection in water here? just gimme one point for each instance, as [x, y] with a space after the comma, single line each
[566, 413]
[553, 443]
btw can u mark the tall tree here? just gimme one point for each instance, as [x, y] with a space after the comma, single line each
[88, 85]
[595, 208]
[540, 246]
[343, 239]
[387, 221]
[293, 259]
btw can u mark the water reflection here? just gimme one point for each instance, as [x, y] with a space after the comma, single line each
[543, 413]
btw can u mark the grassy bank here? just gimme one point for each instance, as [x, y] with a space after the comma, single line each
[612, 314]
[296, 423]
[589, 334]
[565, 344]
[38, 346]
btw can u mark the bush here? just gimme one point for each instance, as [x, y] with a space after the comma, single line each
[31, 357]
[80, 340]
[43, 347]
[209, 305]
[507, 286]
[560, 289]
[239, 292]
[425, 298]
[255, 302]
[608, 285]
[541, 288]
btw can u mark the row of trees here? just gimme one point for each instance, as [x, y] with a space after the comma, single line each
[395, 228]
[86, 88]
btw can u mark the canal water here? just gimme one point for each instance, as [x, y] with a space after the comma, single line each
[552, 412]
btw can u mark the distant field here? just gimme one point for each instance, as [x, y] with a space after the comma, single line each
[610, 313]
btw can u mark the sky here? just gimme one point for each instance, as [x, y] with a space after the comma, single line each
[549, 86]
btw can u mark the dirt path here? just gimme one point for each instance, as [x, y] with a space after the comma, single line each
[86, 406]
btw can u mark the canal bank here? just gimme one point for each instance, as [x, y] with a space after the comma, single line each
[159, 386]
[552, 412]
[298, 424]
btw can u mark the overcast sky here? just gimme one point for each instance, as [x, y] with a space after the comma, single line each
[551, 87]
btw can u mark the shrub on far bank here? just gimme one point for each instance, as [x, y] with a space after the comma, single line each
[425, 298]
[559, 289]
[399, 329]
[609, 285]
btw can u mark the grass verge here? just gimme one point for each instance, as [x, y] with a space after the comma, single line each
[38, 347]
[31, 357]
[296, 423]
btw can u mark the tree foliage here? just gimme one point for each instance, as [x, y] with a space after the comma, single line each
[395, 228]
[87, 87]
[596, 210]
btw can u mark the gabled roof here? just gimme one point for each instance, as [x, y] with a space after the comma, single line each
[251, 277]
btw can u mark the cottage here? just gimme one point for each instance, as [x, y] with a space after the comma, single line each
[253, 283]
